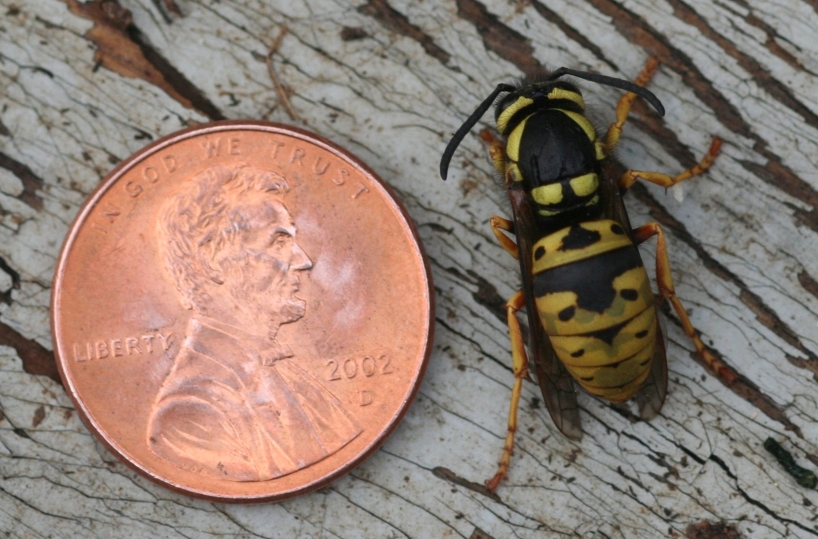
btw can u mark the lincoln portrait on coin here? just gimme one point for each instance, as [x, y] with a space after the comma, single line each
[236, 405]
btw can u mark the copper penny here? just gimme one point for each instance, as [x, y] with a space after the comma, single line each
[242, 312]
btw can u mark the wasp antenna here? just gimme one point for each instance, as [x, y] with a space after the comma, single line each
[467, 125]
[622, 84]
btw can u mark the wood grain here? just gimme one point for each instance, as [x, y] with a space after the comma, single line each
[84, 85]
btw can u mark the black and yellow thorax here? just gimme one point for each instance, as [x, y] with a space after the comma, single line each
[553, 149]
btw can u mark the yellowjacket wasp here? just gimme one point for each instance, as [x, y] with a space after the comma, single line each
[591, 312]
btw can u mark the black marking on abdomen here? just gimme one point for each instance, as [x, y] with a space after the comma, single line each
[629, 294]
[590, 279]
[579, 238]
[567, 313]
[607, 335]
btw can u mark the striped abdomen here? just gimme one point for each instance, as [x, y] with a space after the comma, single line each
[595, 303]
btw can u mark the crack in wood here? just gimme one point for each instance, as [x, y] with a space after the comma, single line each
[501, 39]
[450, 476]
[371, 513]
[572, 33]
[708, 530]
[477, 344]
[637, 30]
[773, 46]
[39, 415]
[31, 182]
[167, 8]
[36, 358]
[753, 501]
[396, 493]
[644, 118]
[661, 460]
[349, 33]
[633, 480]
[396, 21]
[813, 3]
[761, 76]
[808, 282]
[480, 534]
[122, 48]
[776, 174]
[5, 297]
[485, 295]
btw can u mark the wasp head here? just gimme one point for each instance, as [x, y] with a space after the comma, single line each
[521, 97]
[536, 96]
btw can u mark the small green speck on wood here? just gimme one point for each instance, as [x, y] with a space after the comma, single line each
[802, 476]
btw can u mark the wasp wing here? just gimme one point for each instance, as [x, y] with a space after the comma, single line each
[555, 382]
[651, 396]
[611, 196]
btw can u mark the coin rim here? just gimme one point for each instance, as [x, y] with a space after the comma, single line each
[232, 125]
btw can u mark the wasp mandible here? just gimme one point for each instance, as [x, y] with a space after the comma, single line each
[592, 314]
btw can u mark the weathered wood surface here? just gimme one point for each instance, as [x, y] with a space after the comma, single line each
[84, 86]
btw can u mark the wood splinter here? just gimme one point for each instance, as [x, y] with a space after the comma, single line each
[282, 93]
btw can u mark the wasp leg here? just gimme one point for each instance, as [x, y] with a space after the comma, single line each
[520, 362]
[625, 103]
[668, 291]
[630, 176]
[498, 224]
[496, 150]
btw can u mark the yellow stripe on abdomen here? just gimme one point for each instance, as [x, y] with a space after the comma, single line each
[632, 295]
[615, 374]
[594, 301]
[556, 250]
[592, 351]
[612, 370]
